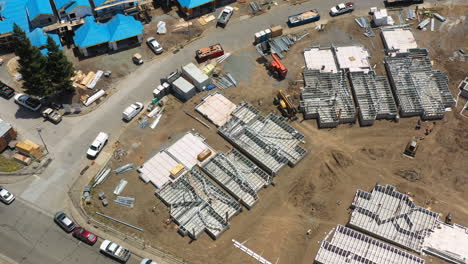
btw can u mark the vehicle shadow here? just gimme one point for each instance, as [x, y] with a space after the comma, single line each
[23, 113]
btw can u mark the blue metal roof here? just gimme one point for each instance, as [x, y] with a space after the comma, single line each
[98, 2]
[77, 3]
[118, 28]
[91, 33]
[61, 3]
[193, 3]
[38, 7]
[13, 11]
[122, 27]
[38, 38]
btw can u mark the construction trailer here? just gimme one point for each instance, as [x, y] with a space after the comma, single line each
[269, 141]
[419, 90]
[183, 89]
[193, 74]
[350, 246]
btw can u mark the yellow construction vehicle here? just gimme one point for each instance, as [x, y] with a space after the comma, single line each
[285, 105]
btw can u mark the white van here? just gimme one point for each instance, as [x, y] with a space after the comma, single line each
[130, 112]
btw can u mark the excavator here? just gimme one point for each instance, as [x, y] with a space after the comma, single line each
[277, 68]
[285, 105]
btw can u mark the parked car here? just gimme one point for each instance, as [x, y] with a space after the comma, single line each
[342, 9]
[154, 45]
[6, 91]
[64, 221]
[97, 145]
[6, 196]
[115, 251]
[148, 261]
[52, 115]
[85, 236]
[130, 112]
[225, 15]
[28, 102]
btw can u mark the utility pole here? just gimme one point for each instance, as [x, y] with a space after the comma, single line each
[39, 130]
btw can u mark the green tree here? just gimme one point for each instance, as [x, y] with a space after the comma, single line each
[32, 64]
[59, 69]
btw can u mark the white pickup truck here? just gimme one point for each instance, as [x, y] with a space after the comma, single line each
[131, 111]
[115, 251]
[225, 15]
[97, 145]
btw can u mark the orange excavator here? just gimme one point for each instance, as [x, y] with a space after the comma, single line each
[277, 68]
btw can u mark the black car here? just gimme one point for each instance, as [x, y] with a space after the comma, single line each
[64, 222]
[6, 91]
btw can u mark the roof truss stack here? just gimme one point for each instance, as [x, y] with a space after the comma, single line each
[237, 175]
[269, 141]
[373, 97]
[198, 205]
[326, 97]
[419, 90]
[349, 246]
[392, 216]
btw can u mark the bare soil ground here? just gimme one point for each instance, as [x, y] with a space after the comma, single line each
[316, 193]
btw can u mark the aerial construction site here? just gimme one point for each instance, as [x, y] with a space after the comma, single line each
[366, 167]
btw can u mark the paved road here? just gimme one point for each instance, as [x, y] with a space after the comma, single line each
[42, 241]
[68, 141]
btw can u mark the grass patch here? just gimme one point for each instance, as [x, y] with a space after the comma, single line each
[9, 165]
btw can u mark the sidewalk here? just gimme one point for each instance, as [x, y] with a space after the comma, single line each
[137, 246]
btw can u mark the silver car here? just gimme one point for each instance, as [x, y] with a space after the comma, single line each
[154, 45]
[6, 196]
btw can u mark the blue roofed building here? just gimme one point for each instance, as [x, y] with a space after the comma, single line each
[69, 10]
[120, 31]
[194, 8]
[18, 11]
[107, 8]
[40, 13]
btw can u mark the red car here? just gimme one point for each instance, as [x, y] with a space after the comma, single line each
[85, 236]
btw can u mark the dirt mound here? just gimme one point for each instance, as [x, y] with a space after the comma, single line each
[343, 160]
[374, 153]
[411, 175]
[301, 193]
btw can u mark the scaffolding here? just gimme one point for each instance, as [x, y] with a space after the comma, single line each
[326, 97]
[349, 246]
[373, 97]
[197, 205]
[392, 216]
[238, 175]
[419, 90]
[269, 141]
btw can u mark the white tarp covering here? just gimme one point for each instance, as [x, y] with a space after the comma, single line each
[216, 108]
[354, 58]
[320, 59]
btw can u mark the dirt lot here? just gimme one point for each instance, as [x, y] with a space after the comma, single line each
[316, 193]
